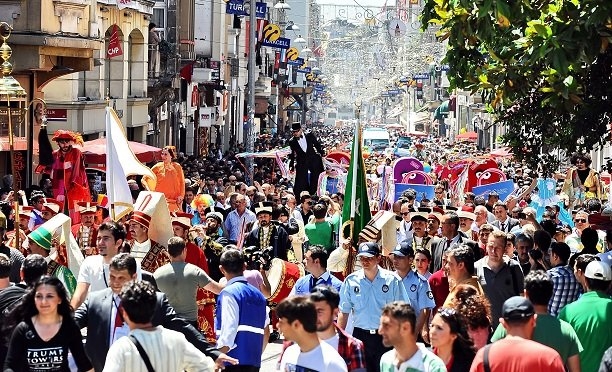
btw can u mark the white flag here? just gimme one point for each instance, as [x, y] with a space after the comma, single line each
[120, 163]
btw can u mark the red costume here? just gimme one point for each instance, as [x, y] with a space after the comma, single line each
[68, 177]
[86, 235]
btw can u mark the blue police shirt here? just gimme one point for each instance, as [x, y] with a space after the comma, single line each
[419, 291]
[366, 298]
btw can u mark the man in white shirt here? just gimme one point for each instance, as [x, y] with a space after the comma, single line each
[297, 320]
[161, 348]
[93, 274]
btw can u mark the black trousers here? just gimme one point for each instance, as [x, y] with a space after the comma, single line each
[240, 368]
[373, 348]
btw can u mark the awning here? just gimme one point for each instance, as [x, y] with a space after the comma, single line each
[19, 144]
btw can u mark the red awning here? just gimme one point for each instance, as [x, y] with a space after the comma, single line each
[95, 151]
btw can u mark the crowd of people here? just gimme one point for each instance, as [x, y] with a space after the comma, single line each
[206, 270]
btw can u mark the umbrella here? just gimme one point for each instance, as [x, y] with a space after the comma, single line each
[95, 151]
[469, 136]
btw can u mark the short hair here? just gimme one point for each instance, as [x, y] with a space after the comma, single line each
[232, 261]
[402, 312]
[584, 157]
[597, 284]
[542, 239]
[327, 293]
[299, 308]
[498, 234]
[549, 226]
[500, 204]
[304, 197]
[583, 260]
[123, 261]
[523, 238]
[33, 267]
[593, 205]
[176, 246]
[511, 238]
[487, 227]
[5, 266]
[539, 287]
[589, 238]
[138, 299]
[319, 211]
[464, 253]
[424, 252]
[116, 230]
[562, 250]
[453, 218]
[318, 251]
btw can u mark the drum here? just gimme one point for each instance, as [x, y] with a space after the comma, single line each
[282, 277]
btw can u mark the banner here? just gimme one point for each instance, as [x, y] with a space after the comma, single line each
[281, 43]
[504, 189]
[207, 117]
[237, 7]
[114, 44]
[422, 191]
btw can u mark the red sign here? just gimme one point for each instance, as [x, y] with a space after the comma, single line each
[57, 114]
[114, 44]
[195, 97]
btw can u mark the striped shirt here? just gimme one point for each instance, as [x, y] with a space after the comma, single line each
[167, 350]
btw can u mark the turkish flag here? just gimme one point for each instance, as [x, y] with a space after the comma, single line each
[114, 44]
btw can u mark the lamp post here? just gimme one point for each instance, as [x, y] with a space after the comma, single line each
[250, 127]
[13, 93]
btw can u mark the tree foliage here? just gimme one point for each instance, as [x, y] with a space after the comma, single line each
[543, 66]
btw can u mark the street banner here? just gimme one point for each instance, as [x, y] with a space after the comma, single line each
[504, 189]
[422, 191]
[281, 43]
[114, 44]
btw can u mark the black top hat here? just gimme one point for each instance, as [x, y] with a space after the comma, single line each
[296, 126]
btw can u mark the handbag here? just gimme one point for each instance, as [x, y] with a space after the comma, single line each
[143, 353]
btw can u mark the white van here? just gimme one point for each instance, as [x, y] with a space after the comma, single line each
[376, 139]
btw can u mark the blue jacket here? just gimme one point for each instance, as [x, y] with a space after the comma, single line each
[251, 322]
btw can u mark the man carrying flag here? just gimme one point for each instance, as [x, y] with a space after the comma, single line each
[356, 210]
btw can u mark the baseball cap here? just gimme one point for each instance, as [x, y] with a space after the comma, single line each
[404, 249]
[598, 270]
[517, 308]
[368, 249]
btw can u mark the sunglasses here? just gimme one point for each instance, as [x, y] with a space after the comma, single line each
[580, 220]
[404, 213]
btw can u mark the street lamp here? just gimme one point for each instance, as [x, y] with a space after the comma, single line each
[15, 97]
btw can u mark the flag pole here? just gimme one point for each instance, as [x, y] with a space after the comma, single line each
[350, 265]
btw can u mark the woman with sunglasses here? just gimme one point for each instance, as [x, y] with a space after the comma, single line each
[450, 340]
[581, 181]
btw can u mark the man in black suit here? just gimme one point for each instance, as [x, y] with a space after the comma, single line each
[101, 306]
[451, 236]
[502, 221]
[268, 234]
[306, 153]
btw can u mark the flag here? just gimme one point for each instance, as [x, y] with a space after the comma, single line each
[120, 163]
[261, 24]
[356, 206]
[114, 44]
[59, 228]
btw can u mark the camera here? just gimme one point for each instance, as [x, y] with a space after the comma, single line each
[257, 259]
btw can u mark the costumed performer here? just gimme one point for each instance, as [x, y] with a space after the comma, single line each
[581, 181]
[170, 179]
[68, 176]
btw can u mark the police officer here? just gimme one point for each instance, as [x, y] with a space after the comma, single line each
[364, 293]
[416, 286]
